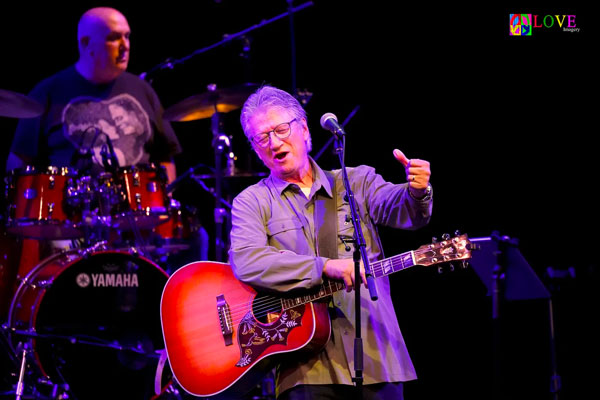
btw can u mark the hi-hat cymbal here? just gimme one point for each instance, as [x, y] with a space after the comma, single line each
[18, 105]
[204, 105]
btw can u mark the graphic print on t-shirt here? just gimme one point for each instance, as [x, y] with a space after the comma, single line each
[88, 122]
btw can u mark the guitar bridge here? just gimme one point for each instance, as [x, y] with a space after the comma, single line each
[225, 320]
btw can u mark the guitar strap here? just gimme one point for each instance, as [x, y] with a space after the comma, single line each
[326, 222]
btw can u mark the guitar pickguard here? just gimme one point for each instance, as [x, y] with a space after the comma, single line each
[254, 337]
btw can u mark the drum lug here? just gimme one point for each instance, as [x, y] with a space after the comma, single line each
[152, 187]
[134, 252]
[100, 246]
[30, 193]
[138, 200]
[40, 284]
[43, 284]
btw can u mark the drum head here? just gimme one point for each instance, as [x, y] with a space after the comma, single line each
[99, 326]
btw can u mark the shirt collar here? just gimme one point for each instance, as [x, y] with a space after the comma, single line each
[320, 180]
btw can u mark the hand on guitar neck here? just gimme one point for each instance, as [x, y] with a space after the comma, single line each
[343, 270]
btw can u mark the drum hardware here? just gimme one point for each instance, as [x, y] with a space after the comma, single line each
[20, 382]
[27, 385]
[114, 345]
[75, 305]
[40, 205]
[145, 205]
[221, 144]
[61, 391]
[102, 245]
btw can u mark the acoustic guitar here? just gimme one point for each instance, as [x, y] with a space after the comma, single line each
[221, 336]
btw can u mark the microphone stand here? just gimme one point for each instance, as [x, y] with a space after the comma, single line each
[221, 144]
[332, 138]
[360, 252]
[170, 63]
[292, 47]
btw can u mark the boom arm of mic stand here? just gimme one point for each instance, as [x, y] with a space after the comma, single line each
[177, 181]
[200, 182]
[170, 63]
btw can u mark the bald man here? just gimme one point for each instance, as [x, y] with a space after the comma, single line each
[79, 123]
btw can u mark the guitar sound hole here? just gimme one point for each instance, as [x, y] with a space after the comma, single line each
[266, 309]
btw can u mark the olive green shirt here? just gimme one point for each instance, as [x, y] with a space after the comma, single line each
[273, 247]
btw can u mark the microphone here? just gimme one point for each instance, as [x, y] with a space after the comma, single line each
[109, 157]
[104, 155]
[114, 161]
[330, 123]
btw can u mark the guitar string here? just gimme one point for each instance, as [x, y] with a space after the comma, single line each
[267, 303]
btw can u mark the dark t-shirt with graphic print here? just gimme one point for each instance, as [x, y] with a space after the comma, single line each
[80, 117]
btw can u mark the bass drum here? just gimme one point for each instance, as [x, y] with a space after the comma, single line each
[92, 319]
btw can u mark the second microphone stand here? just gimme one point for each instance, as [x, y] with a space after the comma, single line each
[360, 252]
[222, 145]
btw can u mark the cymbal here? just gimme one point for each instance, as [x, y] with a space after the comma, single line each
[204, 105]
[18, 105]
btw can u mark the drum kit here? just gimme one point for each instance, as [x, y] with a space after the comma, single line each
[83, 322]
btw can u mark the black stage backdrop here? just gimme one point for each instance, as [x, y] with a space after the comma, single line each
[504, 121]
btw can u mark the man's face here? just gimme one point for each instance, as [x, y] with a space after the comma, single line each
[286, 158]
[125, 121]
[109, 44]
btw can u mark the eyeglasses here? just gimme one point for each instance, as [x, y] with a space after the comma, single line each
[281, 131]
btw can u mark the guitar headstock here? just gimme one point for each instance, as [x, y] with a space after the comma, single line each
[447, 250]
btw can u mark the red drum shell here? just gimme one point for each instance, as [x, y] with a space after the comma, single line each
[146, 201]
[38, 203]
[93, 322]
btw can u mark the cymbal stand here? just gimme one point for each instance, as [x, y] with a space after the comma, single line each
[56, 391]
[21, 381]
[292, 47]
[222, 144]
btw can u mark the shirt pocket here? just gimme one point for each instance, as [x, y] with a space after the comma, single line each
[287, 233]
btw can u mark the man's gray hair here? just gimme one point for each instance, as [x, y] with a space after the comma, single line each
[267, 97]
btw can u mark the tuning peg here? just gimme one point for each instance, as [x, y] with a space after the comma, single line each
[473, 246]
[457, 233]
[434, 240]
[451, 267]
[464, 264]
[440, 269]
[446, 236]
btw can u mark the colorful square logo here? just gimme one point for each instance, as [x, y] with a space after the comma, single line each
[520, 25]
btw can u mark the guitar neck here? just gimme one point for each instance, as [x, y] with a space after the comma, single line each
[380, 268]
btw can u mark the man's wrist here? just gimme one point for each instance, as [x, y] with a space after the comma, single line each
[421, 195]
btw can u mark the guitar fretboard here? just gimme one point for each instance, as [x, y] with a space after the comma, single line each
[380, 268]
[393, 264]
